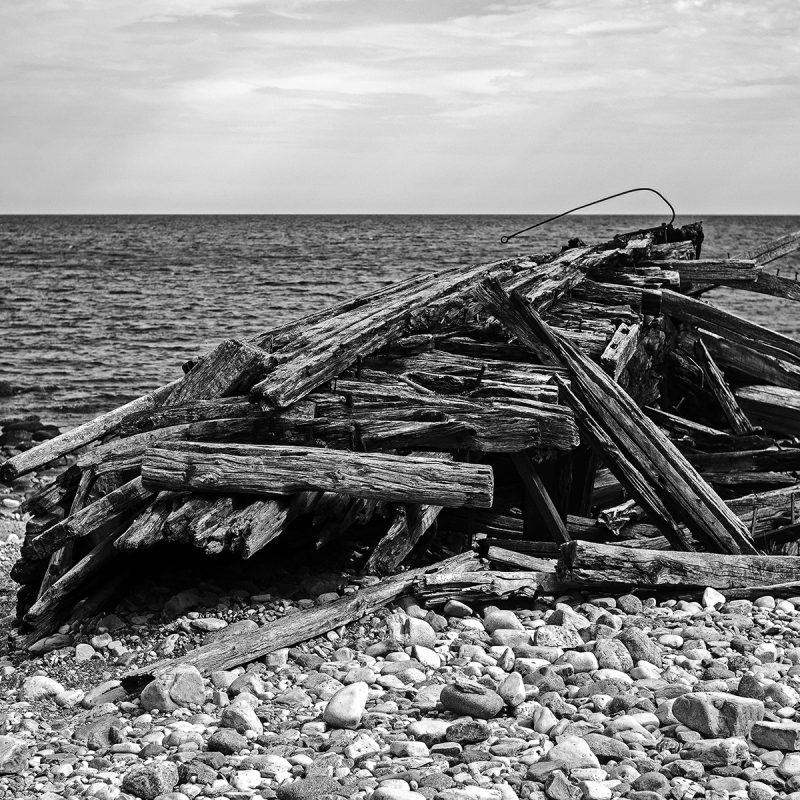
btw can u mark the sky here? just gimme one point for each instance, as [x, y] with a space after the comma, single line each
[398, 106]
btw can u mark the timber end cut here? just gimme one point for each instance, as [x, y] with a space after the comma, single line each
[564, 400]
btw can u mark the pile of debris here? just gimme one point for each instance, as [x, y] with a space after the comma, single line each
[535, 409]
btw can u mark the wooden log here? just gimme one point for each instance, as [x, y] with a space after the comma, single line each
[496, 425]
[295, 628]
[478, 523]
[148, 528]
[105, 512]
[620, 349]
[739, 423]
[538, 494]
[592, 564]
[436, 590]
[71, 440]
[770, 509]
[262, 521]
[360, 511]
[53, 495]
[523, 561]
[267, 469]
[703, 436]
[777, 408]
[690, 496]
[767, 283]
[190, 412]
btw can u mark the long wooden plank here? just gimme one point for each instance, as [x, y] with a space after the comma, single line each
[766, 253]
[777, 408]
[295, 628]
[528, 473]
[273, 469]
[592, 563]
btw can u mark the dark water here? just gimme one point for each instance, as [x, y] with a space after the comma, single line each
[97, 310]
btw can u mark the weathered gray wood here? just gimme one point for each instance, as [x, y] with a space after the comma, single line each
[292, 629]
[106, 511]
[269, 469]
[766, 253]
[262, 521]
[512, 558]
[729, 326]
[711, 270]
[703, 435]
[468, 587]
[620, 349]
[148, 528]
[231, 368]
[185, 413]
[772, 459]
[739, 423]
[588, 563]
[71, 440]
[767, 283]
[690, 496]
[777, 408]
[328, 355]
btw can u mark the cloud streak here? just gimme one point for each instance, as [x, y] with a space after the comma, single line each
[396, 106]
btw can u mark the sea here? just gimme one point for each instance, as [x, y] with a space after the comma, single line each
[97, 310]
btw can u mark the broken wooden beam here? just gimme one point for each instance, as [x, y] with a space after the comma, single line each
[271, 469]
[776, 408]
[593, 564]
[739, 423]
[538, 494]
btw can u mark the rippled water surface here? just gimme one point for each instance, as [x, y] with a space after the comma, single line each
[95, 310]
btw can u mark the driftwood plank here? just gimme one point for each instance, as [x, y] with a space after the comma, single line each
[777, 408]
[765, 253]
[538, 494]
[589, 563]
[269, 469]
[100, 515]
[295, 628]
[620, 349]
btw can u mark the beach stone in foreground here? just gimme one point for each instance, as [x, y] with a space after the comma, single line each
[346, 707]
[150, 780]
[471, 700]
[718, 714]
[572, 753]
[181, 686]
[310, 789]
[776, 735]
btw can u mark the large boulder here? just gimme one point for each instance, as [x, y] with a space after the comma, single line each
[718, 714]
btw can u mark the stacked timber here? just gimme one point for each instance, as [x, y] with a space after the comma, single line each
[569, 415]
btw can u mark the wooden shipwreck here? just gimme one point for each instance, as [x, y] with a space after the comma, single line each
[581, 418]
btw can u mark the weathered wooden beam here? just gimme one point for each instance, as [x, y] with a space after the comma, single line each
[71, 440]
[590, 563]
[262, 521]
[295, 628]
[777, 408]
[620, 349]
[409, 524]
[729, 326]
[148, 528]
[739, 423]
[512, 558]
[231, 368]
[270, 469]
[101, 514]
[711, 270]
[783, 459]
[703, 436]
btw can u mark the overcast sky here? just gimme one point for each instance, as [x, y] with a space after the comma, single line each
[419, 106]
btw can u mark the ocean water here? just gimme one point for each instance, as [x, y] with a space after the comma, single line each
[97, 310]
